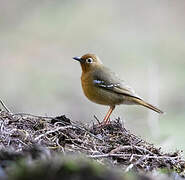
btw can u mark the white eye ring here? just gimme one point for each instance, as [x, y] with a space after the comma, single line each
[89, 60]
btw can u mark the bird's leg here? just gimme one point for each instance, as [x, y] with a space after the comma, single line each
[106, 119]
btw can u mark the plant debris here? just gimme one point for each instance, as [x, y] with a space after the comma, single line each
[111, 144]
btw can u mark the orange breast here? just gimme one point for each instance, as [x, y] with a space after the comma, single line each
[98, 94]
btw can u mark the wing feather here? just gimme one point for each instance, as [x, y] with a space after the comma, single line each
[109, 81]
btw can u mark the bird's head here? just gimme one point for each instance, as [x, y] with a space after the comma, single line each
[88, 62]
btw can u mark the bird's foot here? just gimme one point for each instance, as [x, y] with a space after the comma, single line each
[104, 124]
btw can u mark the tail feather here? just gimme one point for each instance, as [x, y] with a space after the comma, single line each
[145, 104]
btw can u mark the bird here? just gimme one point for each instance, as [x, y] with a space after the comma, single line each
[102, 86]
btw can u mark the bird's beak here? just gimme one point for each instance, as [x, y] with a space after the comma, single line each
[77, 58]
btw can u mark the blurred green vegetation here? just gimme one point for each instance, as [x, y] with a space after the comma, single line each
[143, 41]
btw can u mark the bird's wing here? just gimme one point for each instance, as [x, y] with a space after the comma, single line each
[109, 81]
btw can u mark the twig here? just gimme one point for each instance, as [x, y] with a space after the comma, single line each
[128, 155]
[57, 142]
[52, 131]
[5, 107]
[123, 148]
[97, 119]
[27, 114]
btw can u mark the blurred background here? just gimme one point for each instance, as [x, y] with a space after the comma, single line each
[143, 41]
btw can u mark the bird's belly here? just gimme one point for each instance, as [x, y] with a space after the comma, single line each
[101, 96]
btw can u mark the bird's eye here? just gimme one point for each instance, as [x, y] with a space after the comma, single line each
[89, 60]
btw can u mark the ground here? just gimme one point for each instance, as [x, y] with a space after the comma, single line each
[29, 138]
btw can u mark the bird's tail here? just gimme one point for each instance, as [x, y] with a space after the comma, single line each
[143, 103]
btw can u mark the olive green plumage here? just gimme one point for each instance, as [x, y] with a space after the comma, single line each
[102, 86]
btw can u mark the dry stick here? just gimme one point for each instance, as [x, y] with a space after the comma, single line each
[36, 116]
[52, 131]
[97, 119]
[128, 155]
[5, 107]
[123, 148]
[22, 142]
[57, 142]
[27, 114]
